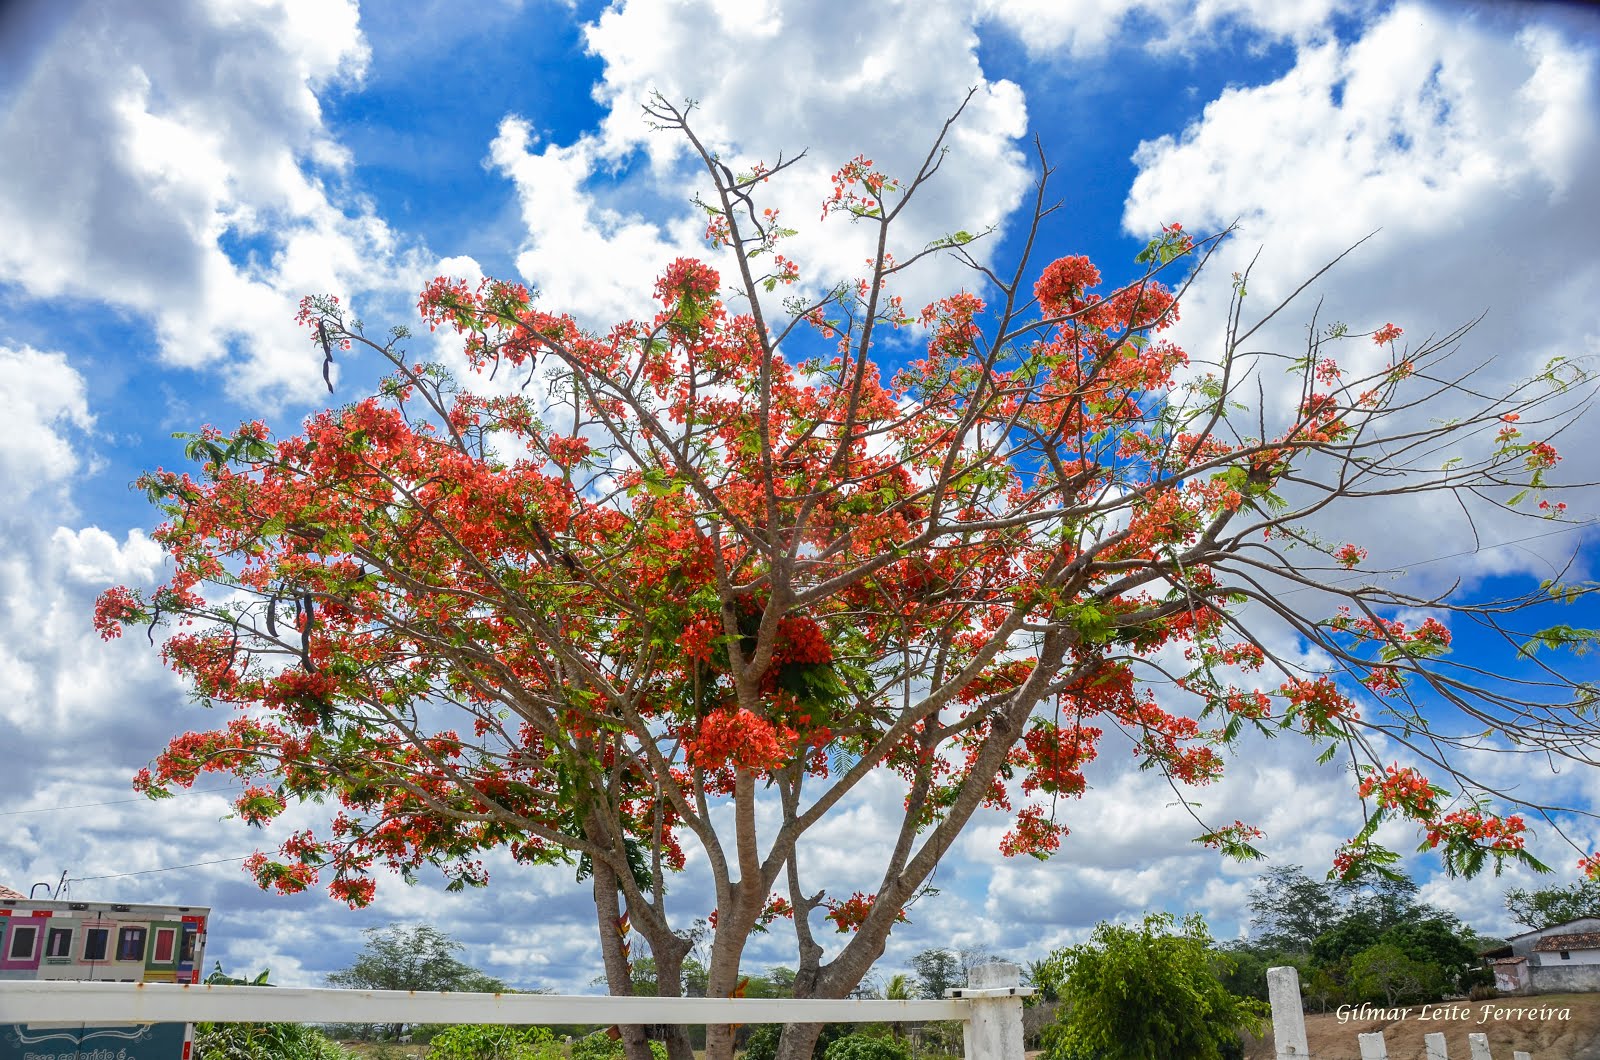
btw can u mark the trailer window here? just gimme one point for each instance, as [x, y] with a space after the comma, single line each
[24, 937]
[58, 943]
[94, 944]
[130, 944]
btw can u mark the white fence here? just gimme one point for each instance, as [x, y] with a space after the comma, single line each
[990, 1008]
[1289, 1028]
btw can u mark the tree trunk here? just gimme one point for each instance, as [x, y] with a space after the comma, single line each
[798, 1040]
[719, 1041]
[669, 952]
[619, 978]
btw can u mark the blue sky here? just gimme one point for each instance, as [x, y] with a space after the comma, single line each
[178, 174]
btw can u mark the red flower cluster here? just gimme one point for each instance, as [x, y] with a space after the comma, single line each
[1402, 788]
[740, 738]
[1033, 835]
[1061, 286]
[849, 914]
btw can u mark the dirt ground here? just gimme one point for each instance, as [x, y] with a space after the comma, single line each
[1576, 1037]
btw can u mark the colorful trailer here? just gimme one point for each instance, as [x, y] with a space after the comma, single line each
[99, 941]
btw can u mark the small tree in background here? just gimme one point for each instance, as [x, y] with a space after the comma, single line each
[1146, 992]
[1388, 974]
[420, 957]
[725, 563]
[937, 970]
[1547, 906]
[1289, 909]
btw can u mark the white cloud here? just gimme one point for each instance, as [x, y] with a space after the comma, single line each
[153, 153]
[1465, 144]
[1086, 30]
[95, 558]
[778, 80]
[45, 408]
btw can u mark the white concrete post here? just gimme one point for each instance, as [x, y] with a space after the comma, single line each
[1520, 1055]
[1373, 1046]
[1479, 1044]
[993, 1028]
[1288, 1017]
[1434, 1046]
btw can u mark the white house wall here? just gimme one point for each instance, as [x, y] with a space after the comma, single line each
[1522, 945]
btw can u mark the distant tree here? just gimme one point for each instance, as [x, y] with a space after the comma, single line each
[1324, 986]
[1147, 991]
[1437, 940]
[412, 958]
[1344, 939]
[781, 979]
[1289, 909]
[1044, 975]
[937, 970]
[1549, 906]
[900, 987]
[1384, 973]
[1243, 971]
[1386, 900]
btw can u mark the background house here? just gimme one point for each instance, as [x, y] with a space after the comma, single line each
[1561, 957]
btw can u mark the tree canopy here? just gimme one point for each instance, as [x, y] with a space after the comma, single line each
[419, 957]
[1543, 907]
[1366, 940]
[726, 557]
[1146, 992]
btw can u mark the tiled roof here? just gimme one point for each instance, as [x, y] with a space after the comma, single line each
[1509, 960]
[1564, 923]
[6, 892]
[1588, 940]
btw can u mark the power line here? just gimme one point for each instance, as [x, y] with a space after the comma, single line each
[1395, 569]
[145, 872]
[1501, 544]
[113, 802]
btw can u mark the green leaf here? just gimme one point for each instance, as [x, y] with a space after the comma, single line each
[1576, 640]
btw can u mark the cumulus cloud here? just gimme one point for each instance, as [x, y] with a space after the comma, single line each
[95, 558]
[44, 404]
[1464, 145]
[1084, 31]
[190, 178]
[605, 213]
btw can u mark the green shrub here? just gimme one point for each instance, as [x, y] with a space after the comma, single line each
[866, 1047]
[762, 1044]
[482, 1041]
[260, 1041]
[1147, 990]
[601, 1046]
[263, 1041]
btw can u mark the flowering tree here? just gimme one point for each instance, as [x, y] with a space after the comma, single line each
[711, 579]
